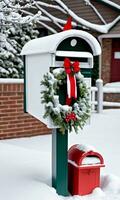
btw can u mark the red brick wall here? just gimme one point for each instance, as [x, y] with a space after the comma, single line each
[13, 121]
[112, 97]
[106, 59]
[106, 68]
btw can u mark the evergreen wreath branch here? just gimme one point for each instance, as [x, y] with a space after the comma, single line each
[63, 116]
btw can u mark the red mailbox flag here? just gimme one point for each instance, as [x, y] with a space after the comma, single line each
[68, 25]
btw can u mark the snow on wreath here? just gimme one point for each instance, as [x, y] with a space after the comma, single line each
[66, 97]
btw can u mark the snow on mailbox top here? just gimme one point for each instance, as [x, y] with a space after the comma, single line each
[50, 43]
[82, 156]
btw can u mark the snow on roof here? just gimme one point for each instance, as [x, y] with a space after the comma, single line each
[50, 43]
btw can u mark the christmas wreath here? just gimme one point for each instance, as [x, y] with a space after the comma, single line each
[75, 111]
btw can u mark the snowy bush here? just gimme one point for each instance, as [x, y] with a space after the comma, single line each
[16, 28]
[15, 37]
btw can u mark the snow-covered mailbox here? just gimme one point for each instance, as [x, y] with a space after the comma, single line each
[84, 165]
[59, 54]
[43, 53]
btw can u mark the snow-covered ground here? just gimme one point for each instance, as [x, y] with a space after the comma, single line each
[25, 164]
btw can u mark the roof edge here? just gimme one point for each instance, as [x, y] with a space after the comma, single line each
[108, 36]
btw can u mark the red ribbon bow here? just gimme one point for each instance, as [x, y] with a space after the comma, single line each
[71, 69]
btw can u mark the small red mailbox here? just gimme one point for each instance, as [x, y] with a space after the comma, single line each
[83, 169]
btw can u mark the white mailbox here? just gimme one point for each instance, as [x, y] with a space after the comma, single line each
[42, 53]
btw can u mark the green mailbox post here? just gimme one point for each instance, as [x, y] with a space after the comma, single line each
[40, 55]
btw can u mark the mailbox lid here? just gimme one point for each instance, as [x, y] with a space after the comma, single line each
[83, 157]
